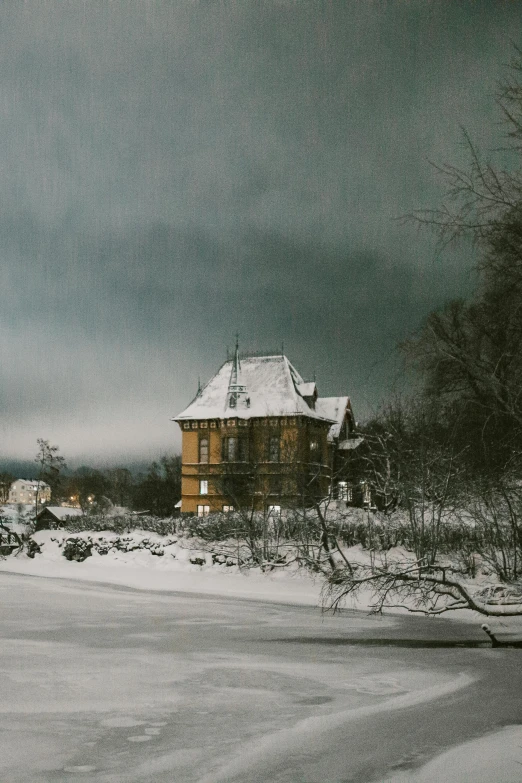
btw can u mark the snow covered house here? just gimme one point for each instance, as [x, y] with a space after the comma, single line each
[24, 491]
[259, 435]
[53, 517]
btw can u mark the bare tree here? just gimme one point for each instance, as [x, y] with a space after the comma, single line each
[6, 479]
[51, 463]
[468, 353]
[494, 510]
[416, 460]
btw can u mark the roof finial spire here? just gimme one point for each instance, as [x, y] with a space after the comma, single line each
[235, 386]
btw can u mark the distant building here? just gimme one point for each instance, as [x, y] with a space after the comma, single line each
[53, 517]
[24, 491]
[258, 434]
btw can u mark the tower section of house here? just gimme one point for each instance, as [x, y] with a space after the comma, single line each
[257, 436]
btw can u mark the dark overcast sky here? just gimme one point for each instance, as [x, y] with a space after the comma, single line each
[172, 172]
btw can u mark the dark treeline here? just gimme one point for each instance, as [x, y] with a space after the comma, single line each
[157, 489]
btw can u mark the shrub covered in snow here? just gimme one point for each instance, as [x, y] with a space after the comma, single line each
[32, 548]
[213, 527]
[122, 523]
[78, 549]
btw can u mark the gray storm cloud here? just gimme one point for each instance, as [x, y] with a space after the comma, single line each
[174, 172]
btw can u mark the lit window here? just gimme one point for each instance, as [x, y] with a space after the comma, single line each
[203, 487]
[203, 450]
[228, 509]
[203, 511]
[342, 490]
[274, 511]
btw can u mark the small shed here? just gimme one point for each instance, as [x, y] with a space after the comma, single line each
[53, 517]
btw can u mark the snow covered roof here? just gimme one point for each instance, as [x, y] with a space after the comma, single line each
[62, 512]
[333, 408]
[350, 443]
[306, 389]
[272, 388]
[36, 482]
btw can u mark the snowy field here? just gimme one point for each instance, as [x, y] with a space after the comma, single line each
[114, 685]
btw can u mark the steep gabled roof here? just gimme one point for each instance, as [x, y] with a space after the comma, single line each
[272, 389]
[333, 408]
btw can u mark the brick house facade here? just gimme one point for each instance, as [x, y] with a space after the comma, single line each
[257, 435]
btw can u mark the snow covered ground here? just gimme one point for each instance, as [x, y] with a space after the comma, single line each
[173, 571]
[495, 758]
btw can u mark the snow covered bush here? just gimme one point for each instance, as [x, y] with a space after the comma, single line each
[78, 549]
[32, 548]
[121, 523]
[214, 527]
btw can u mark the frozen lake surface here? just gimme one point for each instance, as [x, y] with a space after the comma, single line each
[112, 685]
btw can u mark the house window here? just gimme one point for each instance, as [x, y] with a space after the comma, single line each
[274, 511]
[343, 493]
[273, 448]
[203, 511]
[276, 485]
[228, 509]
[203, 449]
[203, 487]
[194, 425]
[234, 449]
[229, 449]
[314, 449]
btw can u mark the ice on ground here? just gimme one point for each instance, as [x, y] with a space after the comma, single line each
[271, 749]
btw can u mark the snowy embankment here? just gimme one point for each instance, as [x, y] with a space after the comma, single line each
[147, 561]
[172, 570]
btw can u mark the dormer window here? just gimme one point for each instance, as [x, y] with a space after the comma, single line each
[308, 392]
